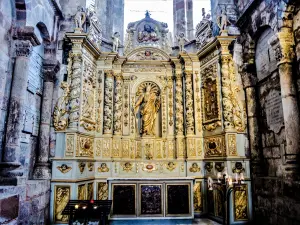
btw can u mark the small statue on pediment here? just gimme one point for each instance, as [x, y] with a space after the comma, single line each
[222, 22]
[181, 39]
[116, 41]
[80, 18]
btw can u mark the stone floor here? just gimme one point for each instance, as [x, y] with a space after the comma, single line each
[165, 222]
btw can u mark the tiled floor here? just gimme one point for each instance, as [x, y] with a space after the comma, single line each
[165, 222]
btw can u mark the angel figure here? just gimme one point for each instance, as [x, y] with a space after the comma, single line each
[80, 18]
[116, 41]
[181, 39]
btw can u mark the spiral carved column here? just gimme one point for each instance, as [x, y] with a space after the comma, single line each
[108, 102]
[189, 103]
[118, 100]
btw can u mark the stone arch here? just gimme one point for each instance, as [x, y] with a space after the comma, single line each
[44, 32]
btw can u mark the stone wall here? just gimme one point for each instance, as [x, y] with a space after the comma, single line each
[274, 174]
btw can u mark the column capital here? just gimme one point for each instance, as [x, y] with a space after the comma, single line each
[109, 73]
[23, 48]
[50, 68]
[118, 76]
[283, 45]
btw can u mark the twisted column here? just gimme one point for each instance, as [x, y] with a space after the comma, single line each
[179, 104]
[118, 100]
[189, 103]
[108, 102]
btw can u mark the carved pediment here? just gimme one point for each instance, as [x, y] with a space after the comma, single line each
[147, 53]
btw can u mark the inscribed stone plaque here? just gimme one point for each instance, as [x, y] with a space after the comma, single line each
[151, 200]
[274, 111]
[265, 57]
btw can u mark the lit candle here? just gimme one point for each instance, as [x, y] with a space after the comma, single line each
[76, 206]
[242, 178]
[219, 175]
[236, 177]
[84, 207]
[210, 183]
[229, 180]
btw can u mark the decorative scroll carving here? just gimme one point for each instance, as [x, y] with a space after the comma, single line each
[118, 104]
[108, 102]
[70, 139]
[126, 105]
[88, 98]
[231, 140]
[194, 168]
[64, 168]
[189, 103]
[84, 146]
[233, 111]
[60, 114]
[214, 146]
[98, 147]
[102, 191]
[191, 148]
[240, 195]
[74, 74]
[62, 197]
[179, 104]
[147, 55]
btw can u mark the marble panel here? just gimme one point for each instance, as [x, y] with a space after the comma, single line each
[178, 202]
[124, 197]
[151, 199]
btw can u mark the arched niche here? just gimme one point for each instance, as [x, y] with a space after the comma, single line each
[264, 54]
[139, 92]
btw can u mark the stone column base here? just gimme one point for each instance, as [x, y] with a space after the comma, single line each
[42, 171]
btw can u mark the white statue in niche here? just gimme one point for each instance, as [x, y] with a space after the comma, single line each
[116, 41]
[80, 18]
[149, 103]
[222, 22]
[181, 39]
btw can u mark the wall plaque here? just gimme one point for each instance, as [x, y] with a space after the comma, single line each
[274, 111]
[151, 200]
[124, 199]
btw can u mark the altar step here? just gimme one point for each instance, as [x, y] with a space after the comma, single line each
[164, 222]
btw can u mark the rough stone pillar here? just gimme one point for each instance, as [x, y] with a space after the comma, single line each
[179, 17]
[189, 103]
[285, 56]
[118, 100]
[189, 16]
[11, 165]
[249, 83]
[108, 102]
[42, 167]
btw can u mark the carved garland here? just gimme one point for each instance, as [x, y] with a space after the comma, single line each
[118, 104]
[179, 104]
[108, 102]
[189, 103]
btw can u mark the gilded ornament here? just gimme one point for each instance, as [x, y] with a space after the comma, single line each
[84, 146]
[148, 104]
[108, 102]
[194, 168]
[197, 197]
[179, 104]
[219, 166]
[149, 167]
[81, 167]
[171, 166]
[90, 191]
[81, 192]
[240, 195]
[118, 100]
[102, 191]
[103, 168]
[127, 166]
[91, 166]
[70, 139]
[98, 147]
[189, 103]
[232, 144]
[64, 168]
[62, 197]
[214, 146]
[208, 166]
[60, 114]
[238, 168]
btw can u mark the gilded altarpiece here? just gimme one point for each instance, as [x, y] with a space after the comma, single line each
[140, 116]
